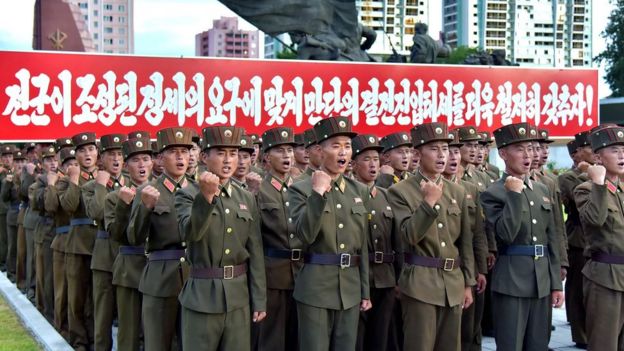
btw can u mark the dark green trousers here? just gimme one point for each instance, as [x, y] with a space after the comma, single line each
[471, 323]
[44, 292]
[374, 325]
[79, 300]
[321, 328]
[430, 327]
[216, 331]
[60, 294]
[521, 323]
[605, 317]
[129, 318]
[574, 301]
[278, 331]
[103, 309]
[160, 322]
[3, 241]
[11, 256]
[30, 261]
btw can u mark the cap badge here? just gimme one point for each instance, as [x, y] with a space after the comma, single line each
[471, 131]
[371, 140]
[438, 130]
[521, 131]
[405, 137]
[544, 134]
[620, 134]
[342, 124]
[139, 144]
[227, 133]
[451, 136]
[72, 152]
[284, 134]
[179, 135]
[116, 139]
[533, 132]
[67, 141]
[243, 142]
[84, 137]
[138, 135]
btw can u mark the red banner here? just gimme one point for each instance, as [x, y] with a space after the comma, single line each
[48, 95]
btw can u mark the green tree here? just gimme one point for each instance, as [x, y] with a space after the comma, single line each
[613, 55]
[286, 54]
[457, 56]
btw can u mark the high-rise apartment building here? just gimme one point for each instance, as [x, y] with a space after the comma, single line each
[103, 25]
[550, 33]
[225, 39]
[394, 21]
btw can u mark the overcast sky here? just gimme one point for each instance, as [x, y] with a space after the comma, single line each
[168, 28]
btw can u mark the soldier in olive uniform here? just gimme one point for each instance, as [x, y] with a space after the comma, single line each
[8, 211]
[525, 279]
[79, 241]
[44, 234]
[490, 169]
[302, 159]
[31, 219]
[568, 181]
[6, 160]
[243, 175]
[67, 157]
[470, 139]
[130, 260]
[282, 249]
[396, 158]
[15, 217]
[108, 179]
[374, 326]
[257, 165]
[153, 222]
[471, 316]
[314, 152]
[432, 219]
[220, 222]
[331, 220]
[599, 201]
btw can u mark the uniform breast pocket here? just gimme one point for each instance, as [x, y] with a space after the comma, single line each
[359, 210]
[268, 207]
[454, 211]
[388, 214]
[546, 207]
[472, 208]
[162, 209]
[244, 215]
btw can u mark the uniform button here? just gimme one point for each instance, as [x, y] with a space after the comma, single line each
[531, 203]
[183, 244]
[480, 184]
[229, 230]
[339, 206]
[287, 203]
[374, 226]
[227, 210]
[437, 207]
[440, 225]
[182, 259]
[534, 221]
[376, 241]
[342, 246]
[373, 212]
[227, 251]
[289, 220]
[453, 201]
[292, 236]
[340, 225]
[388, 208]
[443, 244]
[284, 190]
[534, 238]
[336, 188]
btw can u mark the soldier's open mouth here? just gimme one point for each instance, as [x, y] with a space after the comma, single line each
[286, 163]
[453, 164]
[342, 162]
[142, 172]
[527, 164]
[180, 165]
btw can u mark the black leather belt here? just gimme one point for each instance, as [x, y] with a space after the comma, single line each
[293, 255]
[604, 257]
[525, 250]
[165, 255]
[447, 264]
[343, 260]
[380, 257]
[132, 250]
[227, 272]
[101, 234]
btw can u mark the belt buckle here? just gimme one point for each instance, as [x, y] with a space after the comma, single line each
[449, 263]
[345, 260]
[539, 251]
[379, 256]
[295, 254]
[228, 272]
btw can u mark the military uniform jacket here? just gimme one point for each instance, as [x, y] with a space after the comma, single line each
[277, 232]
[555, 199]
[10, 195]
[382, 238]
[94, 197]
[307, 174]
[3, 205]
[523, 219]
[223, 233]
[52, 205]
[477, 226]
[127, 269]
[334, 223]
[442, 231]
[31, 216]
[45, 229]
[492, 171]
[602, 214]
[481, 180]
[158, 230]
[387, 180]
[81, 238]
[568, 181]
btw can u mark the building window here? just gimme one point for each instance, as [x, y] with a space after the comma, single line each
[96, 24]
[108, 7]
[95, 35]
[108, 41]
[108, 18]
[122, 42]
[96, 12]
[122, 30]
[121, 8]
[83, 5]
[108, 30]
[86, 18]
[121, 19]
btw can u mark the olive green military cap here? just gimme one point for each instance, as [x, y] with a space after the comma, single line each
[62, 143]
[332, 127]
[112, 142]
[8, 149]
[309, 137]
[277, 136]
[455, 135]
[83, 139]
[365, 142]
[176, 136]
[468, 133]
[135, 146]
[222, 137]
[49, 151]
[300, 139]
[608, 136]
[394, 140]
[544, 136]
[515, 133]
[430, 132]
[246, 144]
[67, 154]
[257, 140]
[572, 147]
[486, 138]
[582, 139]
[139, 134]
[19, 155]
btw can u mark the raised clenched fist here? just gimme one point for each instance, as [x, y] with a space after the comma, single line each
[385, 169]
[73, 172]
[102, 177]
[149, 196]
[30, 168]
[583, 166]
[432, 192]
[209, 185]
[126, 194]
[321, 182]
[253, 181]
[597, 174]
[51, 177]
[514, 184]
[9, 178]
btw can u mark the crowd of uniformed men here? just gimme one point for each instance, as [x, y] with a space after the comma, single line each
[317, 241]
